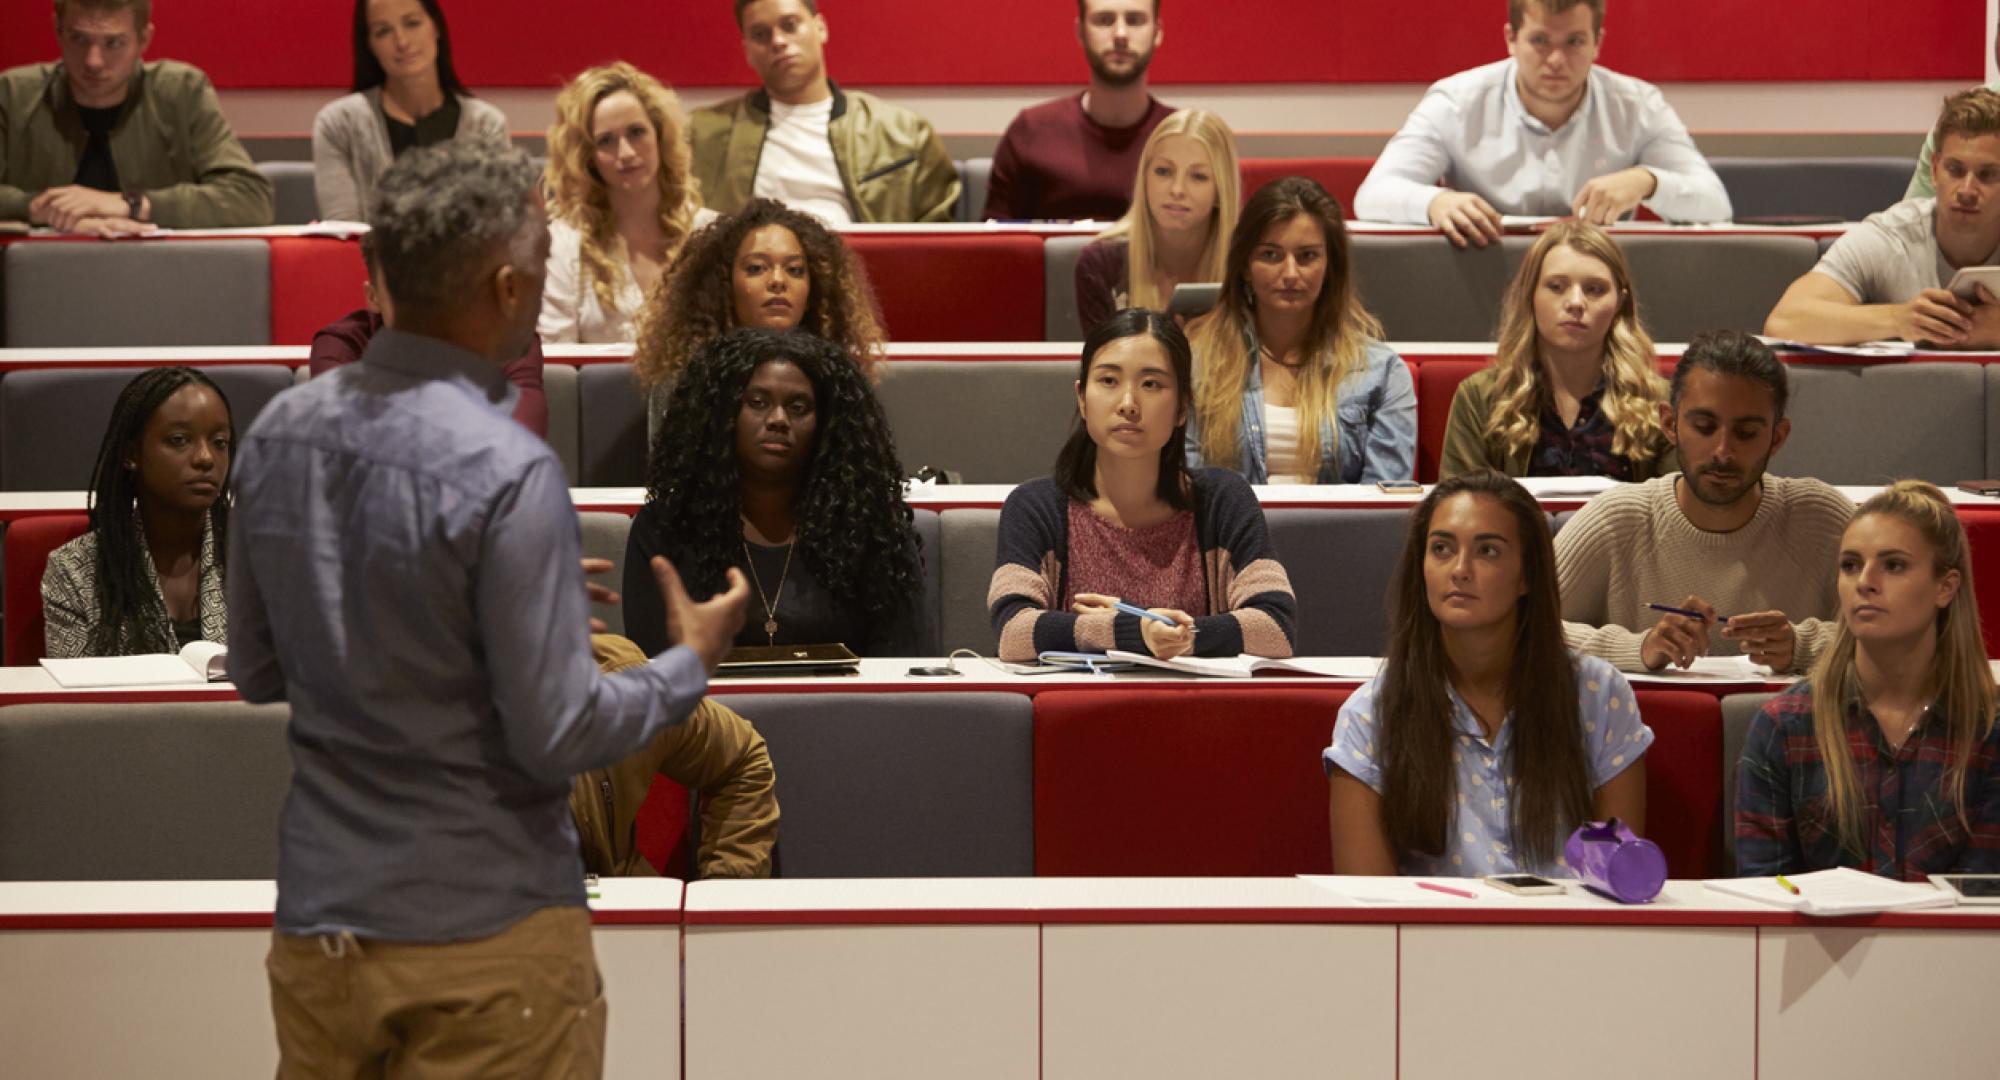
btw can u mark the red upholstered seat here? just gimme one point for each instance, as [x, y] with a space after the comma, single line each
[1437, 381]
[1982, 531]
[314, 280]
[28, 544]
[1215, 781]
[956, 288]
[1684, 811]
[1341, 177]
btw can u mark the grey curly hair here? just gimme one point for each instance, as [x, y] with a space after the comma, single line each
[441, 216]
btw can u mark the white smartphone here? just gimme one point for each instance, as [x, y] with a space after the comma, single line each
[1525, 884]
[1963, 281]
[1970, 888]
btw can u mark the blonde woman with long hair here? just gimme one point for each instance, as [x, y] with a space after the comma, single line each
[622, 201]
[1292, 382]
[1177, 229]
[1573, 389]
[1886, 757]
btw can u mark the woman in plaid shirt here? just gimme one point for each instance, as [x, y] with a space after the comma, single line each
[1886, 757]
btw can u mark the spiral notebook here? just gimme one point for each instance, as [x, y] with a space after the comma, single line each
[1840, 891]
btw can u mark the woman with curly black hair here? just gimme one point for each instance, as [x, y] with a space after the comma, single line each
[774, 456]
[765, 265]
[147, 577]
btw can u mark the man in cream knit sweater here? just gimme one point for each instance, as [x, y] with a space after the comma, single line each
[1719, 538]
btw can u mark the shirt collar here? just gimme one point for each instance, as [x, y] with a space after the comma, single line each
[1463, 722]
[1511, 94]
[421, 357]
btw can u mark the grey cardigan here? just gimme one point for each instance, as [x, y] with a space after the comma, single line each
[351, 148]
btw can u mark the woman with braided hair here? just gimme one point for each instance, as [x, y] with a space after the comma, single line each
[147, 577]
[774, 456]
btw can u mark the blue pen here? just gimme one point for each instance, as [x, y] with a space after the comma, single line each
[1719, 619]
[1143, 613]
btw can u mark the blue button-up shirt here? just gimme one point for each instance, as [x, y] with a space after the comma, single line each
[1377, 416]
[404, 571]
[1480, 839]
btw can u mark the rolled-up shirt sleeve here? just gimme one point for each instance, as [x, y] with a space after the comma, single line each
[1404, 180]
[561, 716]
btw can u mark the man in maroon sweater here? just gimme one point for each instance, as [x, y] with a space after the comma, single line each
[1076, 157]
[345, 339]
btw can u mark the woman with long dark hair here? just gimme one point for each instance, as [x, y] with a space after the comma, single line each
[1124, 519]
[147, 577]
[774, 456]
[1484, 741]
[1294, 385]
[1886, 758]
[406, 94]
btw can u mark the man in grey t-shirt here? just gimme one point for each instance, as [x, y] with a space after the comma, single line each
[1888, 277]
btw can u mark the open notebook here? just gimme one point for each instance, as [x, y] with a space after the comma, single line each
[198, 662]
[1840, 891]
[1228, 667]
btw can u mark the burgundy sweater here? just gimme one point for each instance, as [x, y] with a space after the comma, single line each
[1057, 164]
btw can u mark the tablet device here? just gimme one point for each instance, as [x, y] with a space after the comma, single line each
[1198, 299]
[1096, 663]
[1963, 281]
[1970, 888]
[768, 660]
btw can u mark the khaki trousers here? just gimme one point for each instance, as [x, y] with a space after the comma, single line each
[526, 1002]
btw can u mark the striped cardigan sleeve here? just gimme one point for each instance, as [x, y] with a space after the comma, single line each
[1025, 598]
[1258, 613]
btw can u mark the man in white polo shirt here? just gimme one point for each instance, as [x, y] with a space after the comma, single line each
[1544, 133]
[1889, 277]
[841, 155]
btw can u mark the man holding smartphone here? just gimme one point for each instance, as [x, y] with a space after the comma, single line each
[1888, 276]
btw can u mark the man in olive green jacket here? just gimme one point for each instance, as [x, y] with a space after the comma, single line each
[103, 143]
[841, 154]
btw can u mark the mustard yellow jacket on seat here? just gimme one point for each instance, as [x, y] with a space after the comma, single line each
[891, 162]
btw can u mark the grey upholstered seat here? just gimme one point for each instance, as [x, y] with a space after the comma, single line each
[974, 174]
[1737, 712]
[611, 427]
[297, 201]
[901, 784]
[1687, 284]
[992, 422]
[1424, 289]
[151, 792]
[1848, 188]
[52, 420]
[1060, 319]
[559, 387]
[168, 292]
[1340, 563]
[970, 541]
[1880, 422]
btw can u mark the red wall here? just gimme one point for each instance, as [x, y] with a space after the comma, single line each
[305, 43]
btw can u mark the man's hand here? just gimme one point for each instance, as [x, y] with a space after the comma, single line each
[598, 594]
[1465, 218]
[1937, 317]
[63, 208]
[1607, 198]
[1167, 642]
[112, 228]
[1766, 637]
[709, 628]
[1677, 639]
[1984, 315]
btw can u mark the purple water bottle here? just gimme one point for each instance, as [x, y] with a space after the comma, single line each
[1612, 860]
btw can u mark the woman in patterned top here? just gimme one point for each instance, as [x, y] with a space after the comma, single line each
[1485, 740]
[1886, 758]
[1125, 518]
[147, 577]
[1573, 389]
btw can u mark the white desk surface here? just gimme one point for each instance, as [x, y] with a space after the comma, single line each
[134, 904]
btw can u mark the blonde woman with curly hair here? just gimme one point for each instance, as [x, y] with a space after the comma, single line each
[622, 201]
[1177, 229]
[1292, 383]
[1573, 390]
[766, 266]
[1886, 759]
